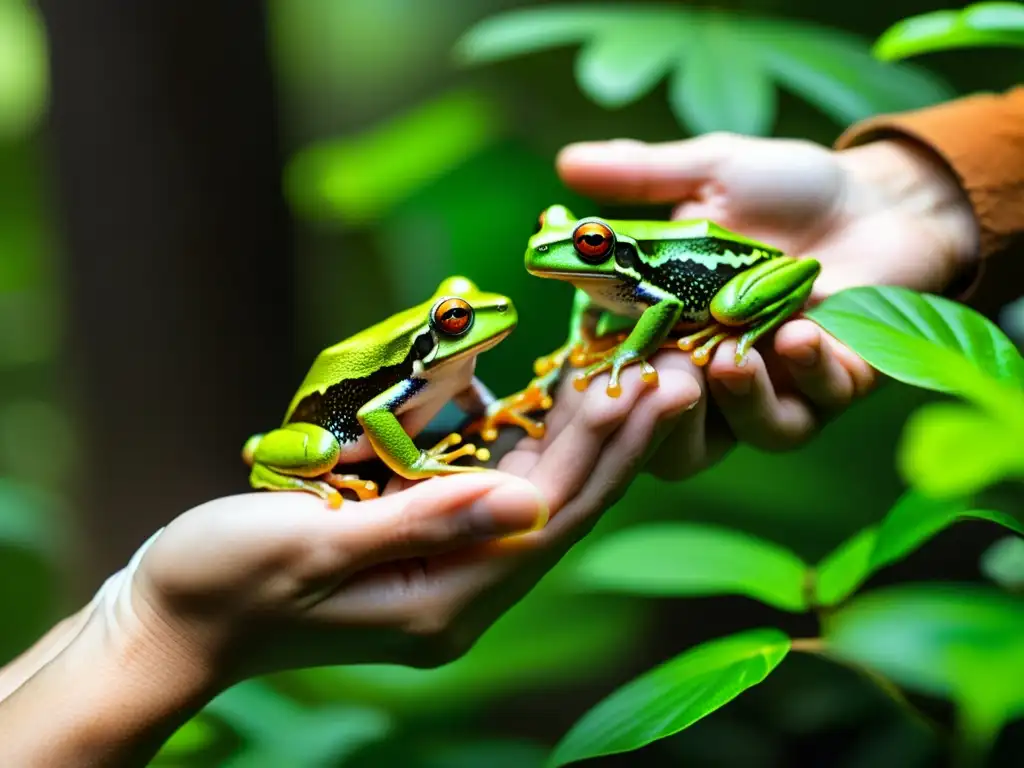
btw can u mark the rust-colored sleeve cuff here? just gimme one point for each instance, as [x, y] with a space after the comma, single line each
[981, 139]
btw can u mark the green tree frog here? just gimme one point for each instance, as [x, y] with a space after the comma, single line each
[640, 282]
[370, 394]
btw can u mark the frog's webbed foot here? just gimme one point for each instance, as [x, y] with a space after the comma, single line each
[545, 364]
[363, 489]
[707, 338]
[596, 351]
[513, 409]
[615, 363]
[440, 454]
[265, 478]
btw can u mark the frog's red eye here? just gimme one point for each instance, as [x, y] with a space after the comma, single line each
[540, 223]
[452, 317]
[593, 241]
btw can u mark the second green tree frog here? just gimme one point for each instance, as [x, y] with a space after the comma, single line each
[650, 279]
[370, 394]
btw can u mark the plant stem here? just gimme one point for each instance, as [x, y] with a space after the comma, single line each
[808, 644]
[816, 645]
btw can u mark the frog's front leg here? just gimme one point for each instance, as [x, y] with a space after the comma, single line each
[396, 449]
[643, 341]
[301, 457]
[582, 320]
[758, 299]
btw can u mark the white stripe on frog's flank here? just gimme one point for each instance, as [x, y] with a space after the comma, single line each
[677, 251]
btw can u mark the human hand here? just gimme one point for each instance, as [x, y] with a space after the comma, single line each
[260, 582]
[885, 213]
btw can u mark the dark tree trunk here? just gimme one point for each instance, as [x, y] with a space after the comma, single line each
[177, 256]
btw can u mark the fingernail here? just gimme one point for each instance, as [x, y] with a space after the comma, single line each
[805, 357]
[512, 508]
[737, 385]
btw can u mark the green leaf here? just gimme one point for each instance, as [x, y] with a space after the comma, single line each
[930, 342]
[522, 31]
[836, 72]
[981, 24]
[846, 567]
[676, 559]
[957, 641]
[949, 449]
[1003, 562]
[674, 695]
[192, 739]
[614, 71]
[24, 71]
[281, 732]
[358, 179]
[721, 84]
[912, 522]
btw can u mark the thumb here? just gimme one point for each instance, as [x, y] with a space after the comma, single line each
[632, 171]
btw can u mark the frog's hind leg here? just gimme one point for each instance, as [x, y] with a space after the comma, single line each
[301, 457]
[759, 299]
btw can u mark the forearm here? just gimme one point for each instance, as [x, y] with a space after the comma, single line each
[97, 691]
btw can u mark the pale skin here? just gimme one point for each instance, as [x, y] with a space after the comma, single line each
[260, 582]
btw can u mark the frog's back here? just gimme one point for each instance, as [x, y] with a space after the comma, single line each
[345, 376]
[693, 259]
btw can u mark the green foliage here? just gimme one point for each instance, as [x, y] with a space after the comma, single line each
[988, 449]
[723, 65]
[909, 525]
[29, 553]
[187, 743]
[359, 178]
[275, 728]
[677, 559]
[23, 69]
[674, 695]
[958, 641]
[925, 341]
[1003, 562]
[980, 24]
[578, 637]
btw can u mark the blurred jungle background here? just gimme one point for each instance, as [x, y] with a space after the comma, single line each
[197, 197]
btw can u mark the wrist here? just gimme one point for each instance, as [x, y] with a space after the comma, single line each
[901, 174]
[110, 696]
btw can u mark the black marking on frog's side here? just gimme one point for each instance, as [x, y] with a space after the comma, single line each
[693, 282]
[335, 410]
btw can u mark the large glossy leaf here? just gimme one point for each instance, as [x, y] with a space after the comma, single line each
[721, 84]
[616, 70]
[950, 449]
[630, 48]
[673, 696]
[957, 641]
[675, 559]
[528, 30]
[912, 522]
[928, 341]
[981, 24]
[24, 72]
[836, 72]
[1003, 562]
